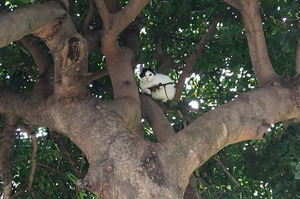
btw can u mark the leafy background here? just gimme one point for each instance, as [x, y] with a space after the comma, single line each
[269, 168]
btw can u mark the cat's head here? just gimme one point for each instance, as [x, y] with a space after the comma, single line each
[147, 74]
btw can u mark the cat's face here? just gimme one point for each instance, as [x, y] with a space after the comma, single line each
[147, 75]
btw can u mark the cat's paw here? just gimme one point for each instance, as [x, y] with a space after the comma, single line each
[147, 91]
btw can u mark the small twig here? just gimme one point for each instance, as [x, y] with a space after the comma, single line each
[52, 169]
[68, 155]
[97, 75]
[154, 88]
[227, 172]
[82, 163]
[33, 164]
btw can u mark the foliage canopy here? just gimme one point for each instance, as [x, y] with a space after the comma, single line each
[269, 168]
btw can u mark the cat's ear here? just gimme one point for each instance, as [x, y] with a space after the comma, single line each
[141, 68]
[152, 67]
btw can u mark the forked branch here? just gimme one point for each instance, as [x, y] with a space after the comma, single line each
[115, 23]
[26, 21]
[104, 14]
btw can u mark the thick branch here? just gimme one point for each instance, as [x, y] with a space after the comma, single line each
[6, 145]
[246, 117]
[191, 191]
[124, 17]
[297, 68]
[194, 56]
[70, 54]
[23, 21]
[115, 23]
[261, 63]
[158, 121]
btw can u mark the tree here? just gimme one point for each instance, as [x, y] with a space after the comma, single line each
[69, 74]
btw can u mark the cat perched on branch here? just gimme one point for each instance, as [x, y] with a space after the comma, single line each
[159, 86]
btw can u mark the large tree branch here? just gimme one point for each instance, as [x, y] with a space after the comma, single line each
[23, 21]
[156, 118]
[119, 60]
[70, 54]
[261, 63]
[52, 24]
[297, 68]
[246, 117]
[115, 23]
[6, 145]
[191, 191]
[128, 14]
[105, 117]
[194, 56]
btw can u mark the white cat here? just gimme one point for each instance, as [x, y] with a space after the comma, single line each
[149, 79]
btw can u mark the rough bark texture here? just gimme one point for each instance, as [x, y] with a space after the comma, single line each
[157, 119]
[122, 164]
[6, 144]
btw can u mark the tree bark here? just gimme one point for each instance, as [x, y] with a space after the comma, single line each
[261, 63]
[6, 146]
[246, 117]
[27, 20]
[156, 118]
[122, 164]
